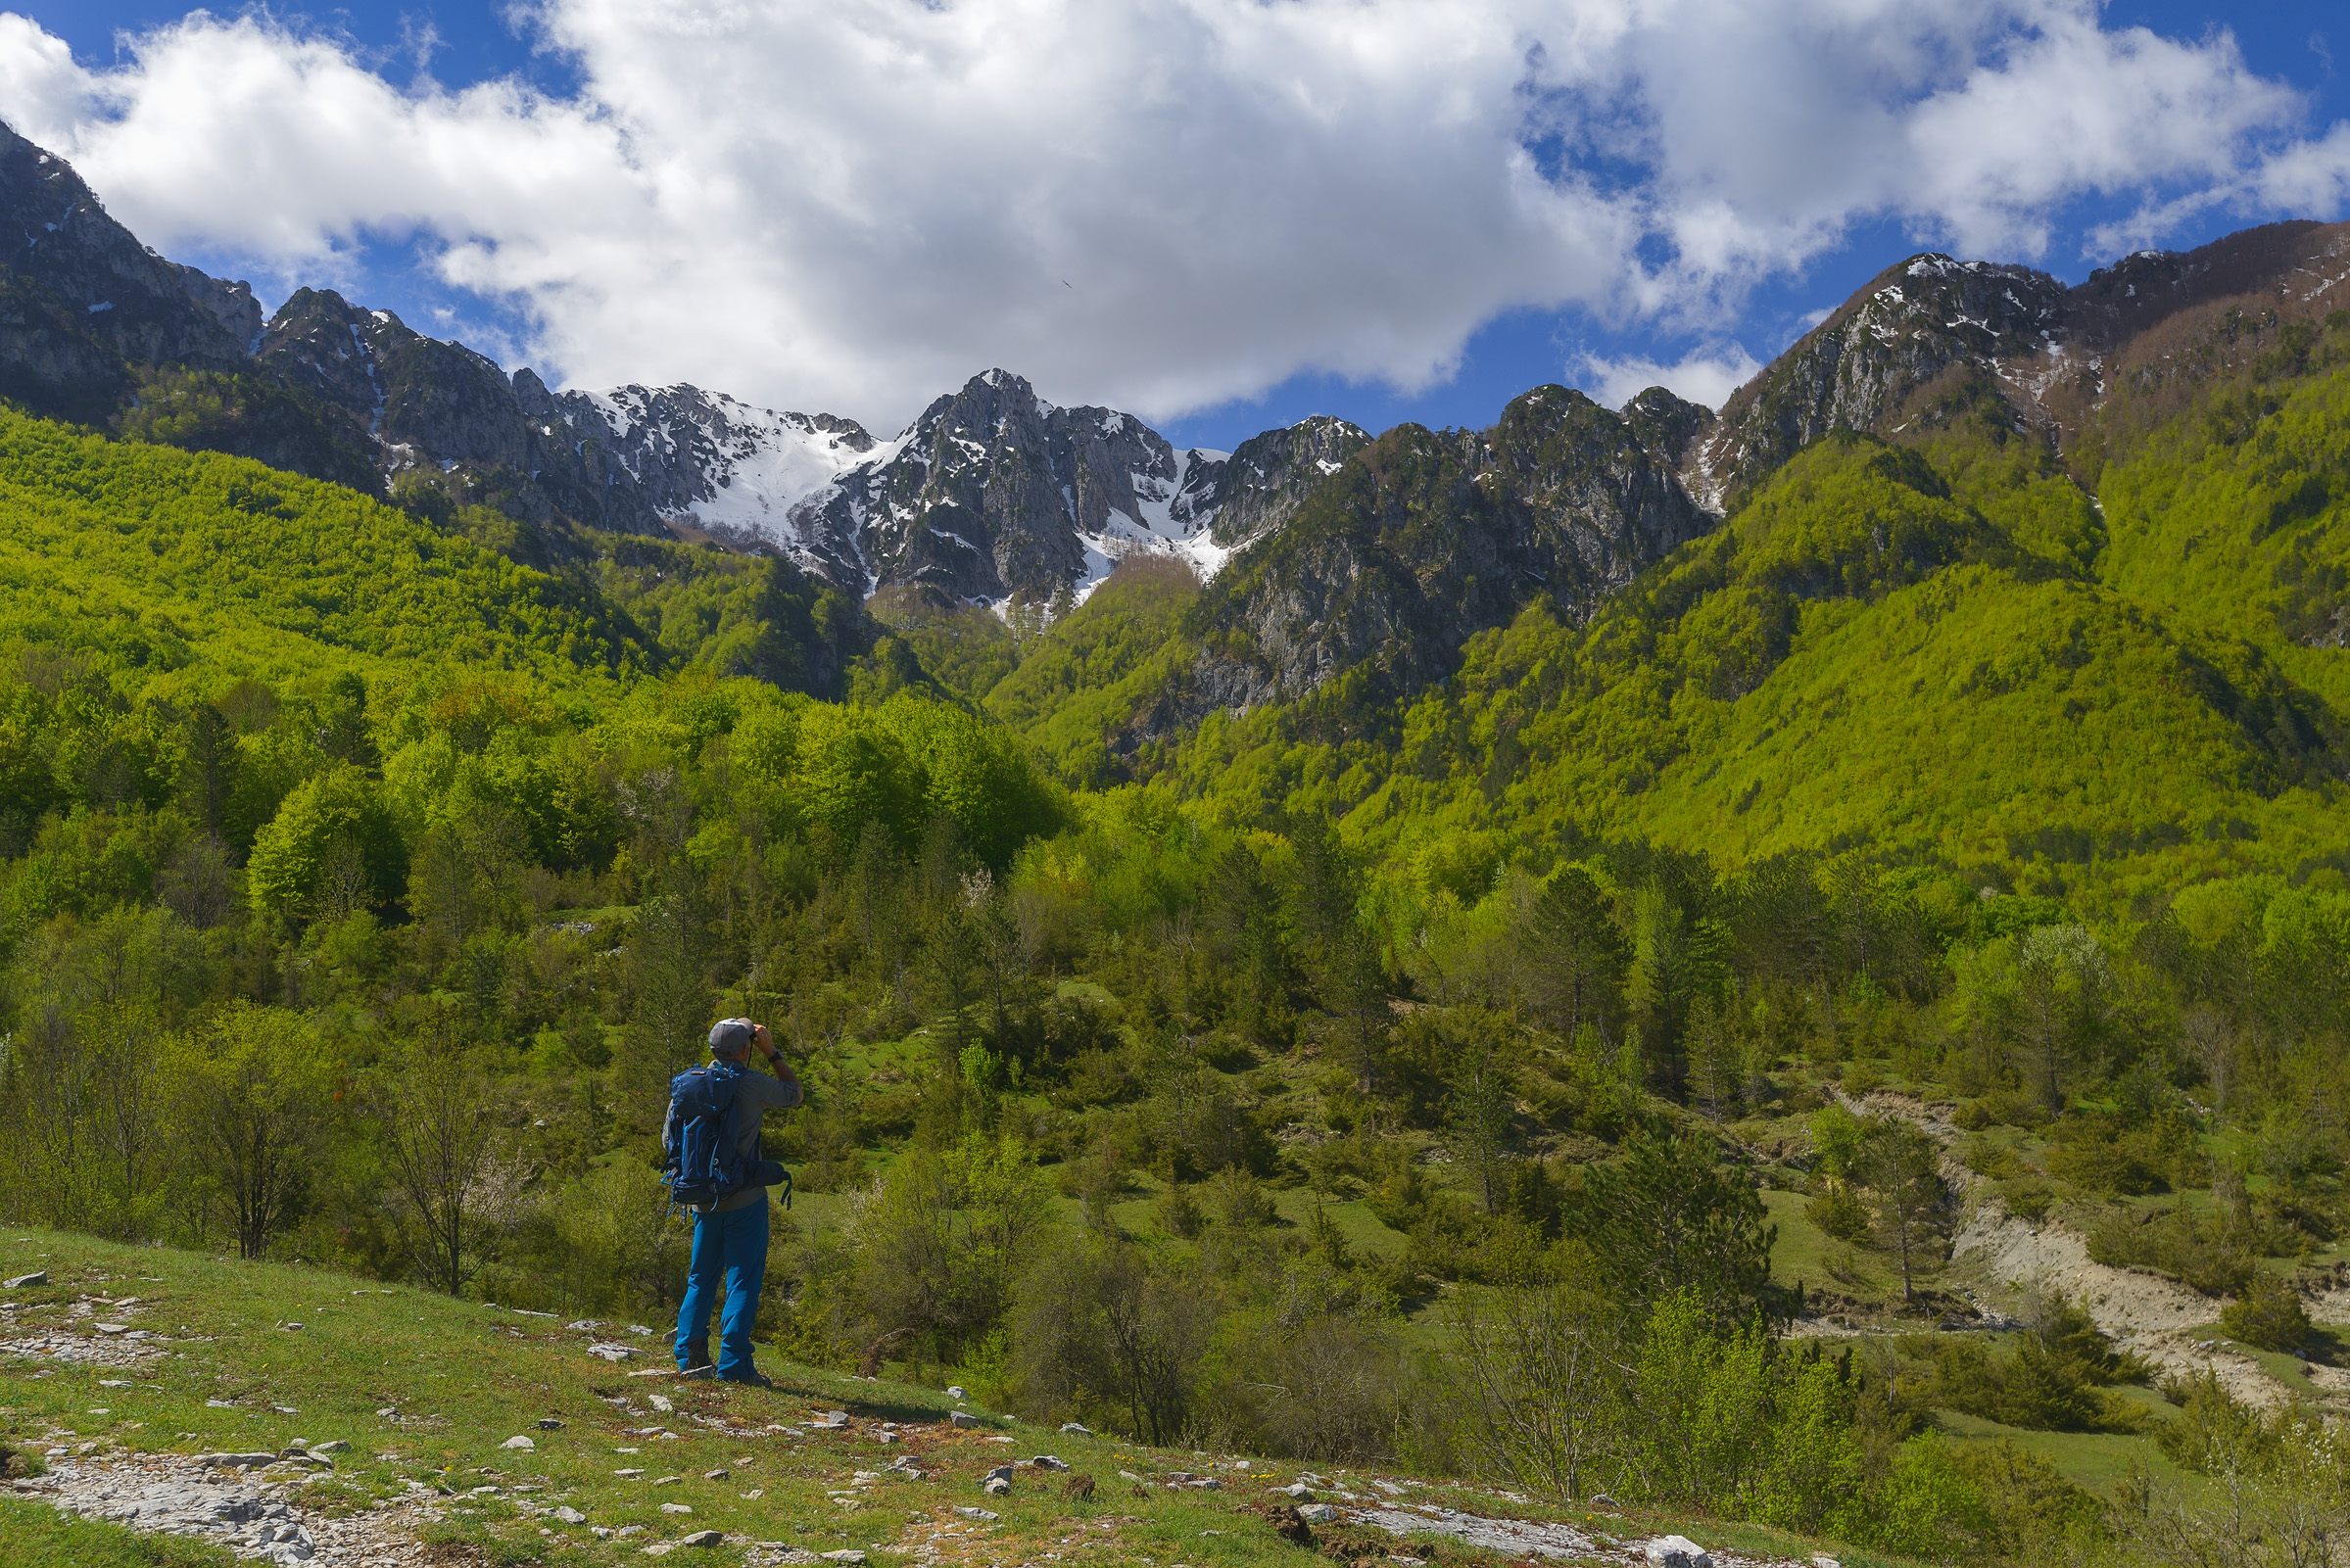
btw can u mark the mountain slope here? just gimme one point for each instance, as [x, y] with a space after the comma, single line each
[198, 554]
[1424, 538]
[1932, 334]
[414, 1397]
[166, 558]
[83, 305]
[993, 494]
[1863, 657]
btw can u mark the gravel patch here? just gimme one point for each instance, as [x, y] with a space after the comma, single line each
[255, 1518]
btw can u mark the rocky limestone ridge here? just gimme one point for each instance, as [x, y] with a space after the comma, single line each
[83, 303]
[1423, 537]
[1931, 333]
[635, 459]
[994, 494]
[1260, 486]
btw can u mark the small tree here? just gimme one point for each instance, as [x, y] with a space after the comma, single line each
[438, 1138]
[2053, 1011]
[1097, 1324]
[253, 1094]
[1575, 955]
[1902, 1166]
[941, 1240]
[331, 838]
[1477, 1127]
[1671, 1217]
[1543, 1373]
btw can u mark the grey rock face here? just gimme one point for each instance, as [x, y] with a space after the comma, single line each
[1858, 369]
[82, 302]
[635, 459]
[1259, 487]
[1676, 1551]
[991, 494]
[995, 493]
[1931, 330]
[1425, 538]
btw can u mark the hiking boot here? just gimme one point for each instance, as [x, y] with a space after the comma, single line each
[754, 1380]
[700, 1369]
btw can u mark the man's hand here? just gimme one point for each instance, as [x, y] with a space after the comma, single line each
[764, 1043]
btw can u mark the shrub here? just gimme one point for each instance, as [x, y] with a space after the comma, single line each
[2267, 1315]
[1926, 1506]
[1238, 1199]
[1104, 1329]
[2027, 1196]
[2214, 1433]
[1986, 1158]
[2204, 1254]
[2096, 1165]
[1179, 1213]
[2031, 1506]
[2048, 1382]
[1839, 1214]
[1334, 1387]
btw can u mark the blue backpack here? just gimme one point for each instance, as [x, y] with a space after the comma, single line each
[702, 1163]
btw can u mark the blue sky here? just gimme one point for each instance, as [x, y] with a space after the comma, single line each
[1262, 211]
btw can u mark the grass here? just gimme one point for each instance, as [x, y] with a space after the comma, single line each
[2096, 1460]
[461, 1378]
[426, 1389]
[1803, 1248]
[37, 1535]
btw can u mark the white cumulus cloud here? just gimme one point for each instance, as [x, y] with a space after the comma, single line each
[1159, 203]
[1707, 375]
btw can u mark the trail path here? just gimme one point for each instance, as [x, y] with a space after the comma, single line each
[2147, 1314]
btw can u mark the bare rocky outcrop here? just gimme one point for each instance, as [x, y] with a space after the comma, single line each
[83, 303]
[257, 1515]
[1932, 334]
[1422, 539]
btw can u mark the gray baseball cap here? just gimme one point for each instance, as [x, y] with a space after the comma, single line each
[732, 1036]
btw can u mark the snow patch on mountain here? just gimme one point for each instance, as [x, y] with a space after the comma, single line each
[1173, 517]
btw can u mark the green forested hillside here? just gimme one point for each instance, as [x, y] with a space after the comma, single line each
[1314, 1082]
[1946, 652]
[2230, 516]
[166, 558]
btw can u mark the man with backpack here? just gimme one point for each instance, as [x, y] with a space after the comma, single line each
[712, 1141]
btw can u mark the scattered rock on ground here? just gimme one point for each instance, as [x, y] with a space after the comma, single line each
[176, 1495]
[1676, 1551]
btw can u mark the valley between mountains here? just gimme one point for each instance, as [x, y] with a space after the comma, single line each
[1775, 975]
